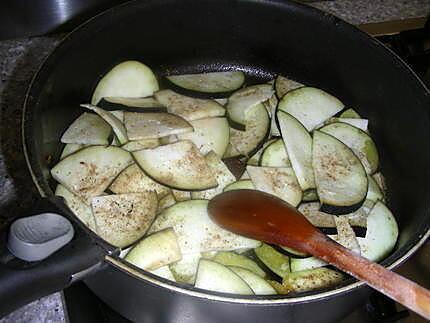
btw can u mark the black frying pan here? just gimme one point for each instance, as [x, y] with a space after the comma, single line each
[263, 38]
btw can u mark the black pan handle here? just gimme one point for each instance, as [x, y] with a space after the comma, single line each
[22, 282]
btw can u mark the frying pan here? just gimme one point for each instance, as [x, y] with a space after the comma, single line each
[262, 38]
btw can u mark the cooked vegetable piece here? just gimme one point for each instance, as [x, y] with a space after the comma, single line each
[222, 101]
[273, 259]
[196, 231]
[310, 195]
[130, 79]
[189, 108]
[216, 277]
[380, 180]
[275, 155]
[300, 264]
[258, 284]
[350, 113]
[298, 144]
[359, 141]
[279, 181]
[310, 106]
[88, 172]
[181, 195]
[340, 177]
[284, 85]
[307, 280]
[179, 165]
[153, 125]
[70, 149]
[165, 202]
[124, 218]
[381, 234]
[244, 99]
[345, 234]
[213, 82]
[163, 272]
[116, 124]
[185, 269]
[209, 134]
[374, 192]
[254, 160]
[155, 251]
[271, 106]
[79, 208]
[134, 180]
[257, 129]
[223, 176]
[87, 129]
[294, 252]
[148, 104]
[141, 144]
[358, 123]
[229, 258]
[119, 114]
[243, 184]
[170, 139]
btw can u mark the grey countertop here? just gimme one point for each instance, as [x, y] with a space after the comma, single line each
[19, 60]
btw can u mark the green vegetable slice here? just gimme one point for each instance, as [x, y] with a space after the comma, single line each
[273, 259]
[229, 258]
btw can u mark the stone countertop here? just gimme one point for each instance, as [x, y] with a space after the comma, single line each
[19, 60]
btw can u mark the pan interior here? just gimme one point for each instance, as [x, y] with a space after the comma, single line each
[262, 38]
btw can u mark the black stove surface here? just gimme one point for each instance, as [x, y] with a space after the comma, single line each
[414, 47]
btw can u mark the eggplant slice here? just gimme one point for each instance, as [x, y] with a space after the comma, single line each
[340, 178]
[130, 79]
[148, 104]
[179, 165]
[151, 125]
[284, 85]
[87, 129]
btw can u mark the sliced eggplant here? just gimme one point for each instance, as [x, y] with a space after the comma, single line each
[196, 231]
[350, 113]
[77, 206]
[254, 160]
[244, 99]
[70, 149]
[119, 114]
[310, 106]
[130, 79]
[216, 277]
[222, 101]
[271, 106]
[185, 269]
[213, 82]
[136, 145]
[362, 124]
[257, 128]
[310, 195]
[148, 104]
[165, 202]
[189, 108]
[211, 134]
[341, 180]
[116, 124]
[134, 180]
[300, 264]
[359, 141]
[170, 139]
[258, 284]
[284, 85]
[294, 252]
[380, 180]
[298, 144]
[155, 251]
[153, 125]
[273, 259]
[124, 218]
[308, 280]
[345, 234]
[87, 129]
[229, 258]
[279, 181]
[223, 176]
[243, 184]
[164, 272]
[381, 235]
[179, 165]
[181, 195]
[89, 171]
[275, 155]
[374, 192]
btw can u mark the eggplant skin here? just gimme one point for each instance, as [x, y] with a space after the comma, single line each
[109, 106]
[340, 210]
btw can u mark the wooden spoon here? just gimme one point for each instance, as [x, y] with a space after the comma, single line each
[267, 218]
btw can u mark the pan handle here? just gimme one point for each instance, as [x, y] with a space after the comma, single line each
[22, 282]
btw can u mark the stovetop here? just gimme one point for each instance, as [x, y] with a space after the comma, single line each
[414, 47]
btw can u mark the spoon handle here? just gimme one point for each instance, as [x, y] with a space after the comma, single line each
[402, 290]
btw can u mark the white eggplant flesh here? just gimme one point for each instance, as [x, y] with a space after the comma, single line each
[87, 129]
[70, 149]
[130, 79]
[243, 184]
[275, 155]
[284, 85]
[230, 258]
[164, 272]
[144, 103]
[123, 219]
[136, 145]
[185, 269]
[258, 284]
